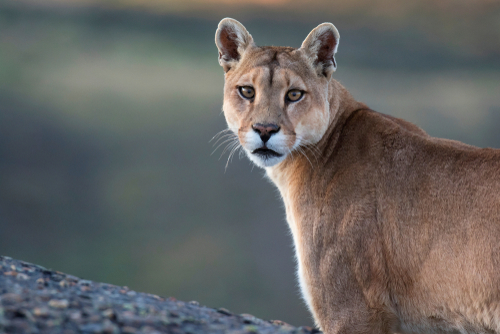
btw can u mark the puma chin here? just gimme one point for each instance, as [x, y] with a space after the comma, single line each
[265, 154]
[269, 153]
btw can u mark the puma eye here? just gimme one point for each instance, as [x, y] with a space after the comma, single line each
[247, 92]
[294, 95]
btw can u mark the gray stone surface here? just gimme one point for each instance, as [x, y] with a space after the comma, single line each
[37, 300]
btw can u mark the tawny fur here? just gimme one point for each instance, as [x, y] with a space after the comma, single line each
[394, 230]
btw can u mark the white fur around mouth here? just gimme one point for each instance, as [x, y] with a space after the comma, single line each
[265, 154]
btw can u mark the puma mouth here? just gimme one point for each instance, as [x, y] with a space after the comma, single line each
[264, 152]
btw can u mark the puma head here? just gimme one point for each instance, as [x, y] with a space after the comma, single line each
[276, 98]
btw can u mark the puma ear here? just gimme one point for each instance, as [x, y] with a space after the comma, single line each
[320, 47]
[232, 39]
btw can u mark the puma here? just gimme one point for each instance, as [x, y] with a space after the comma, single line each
[394, 231]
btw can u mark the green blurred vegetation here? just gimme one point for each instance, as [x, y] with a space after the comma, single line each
[105, 122]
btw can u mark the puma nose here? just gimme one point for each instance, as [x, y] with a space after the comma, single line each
[265, 131]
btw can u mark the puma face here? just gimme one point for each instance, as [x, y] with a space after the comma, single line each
[276, 98]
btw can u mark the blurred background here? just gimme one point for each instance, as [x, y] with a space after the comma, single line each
[107, 109]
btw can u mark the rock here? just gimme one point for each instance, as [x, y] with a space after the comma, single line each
[224, 311]
[46, 301]
[41, 311]
[63, 303]
[11, 298]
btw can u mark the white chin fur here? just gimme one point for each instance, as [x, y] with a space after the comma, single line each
[264, 162]
[277, 143]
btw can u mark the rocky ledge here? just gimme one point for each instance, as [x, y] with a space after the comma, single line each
[37, 300]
